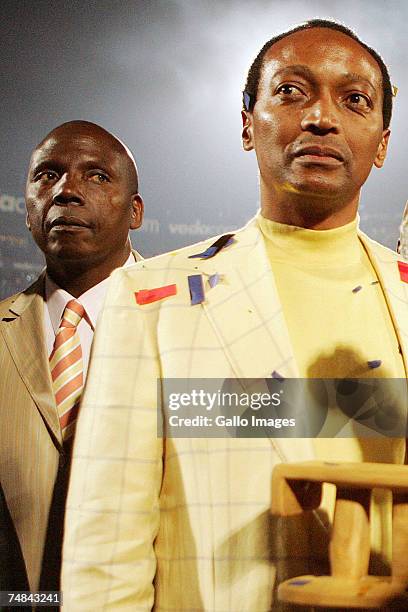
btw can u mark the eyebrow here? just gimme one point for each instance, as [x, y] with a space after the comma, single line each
[298, 69]
[44, 164]
[351, 77]
[97, 164]
[304, 71]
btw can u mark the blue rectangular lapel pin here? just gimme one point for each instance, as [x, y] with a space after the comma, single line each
[196, 286]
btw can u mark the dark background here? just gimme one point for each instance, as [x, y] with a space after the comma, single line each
[166, 77]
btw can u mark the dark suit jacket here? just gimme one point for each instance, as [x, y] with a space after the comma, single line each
[34, 464]
[13, 575]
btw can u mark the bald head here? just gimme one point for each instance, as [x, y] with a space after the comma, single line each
[79, 127]
[82, 198]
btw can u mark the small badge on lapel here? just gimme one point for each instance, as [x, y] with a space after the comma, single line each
[213, 280]
[212, 250]
[403, 270]
[147, 296]
[196, 286]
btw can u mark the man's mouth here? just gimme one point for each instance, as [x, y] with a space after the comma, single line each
[318, 154]
[68, 222]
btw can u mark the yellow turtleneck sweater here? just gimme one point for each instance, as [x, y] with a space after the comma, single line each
[338, 321]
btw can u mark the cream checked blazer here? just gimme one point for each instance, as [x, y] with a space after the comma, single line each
[184, 525]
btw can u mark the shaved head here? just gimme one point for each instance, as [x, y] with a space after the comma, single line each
[79, 126]
[82, 199]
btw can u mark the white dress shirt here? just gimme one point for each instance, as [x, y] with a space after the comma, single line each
[56, 299]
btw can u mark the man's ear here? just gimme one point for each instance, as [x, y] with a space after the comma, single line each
[247, 131]
[136, 218]
[27, 222]
[382, 149]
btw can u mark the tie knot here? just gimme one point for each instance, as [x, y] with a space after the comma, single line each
[73, 313]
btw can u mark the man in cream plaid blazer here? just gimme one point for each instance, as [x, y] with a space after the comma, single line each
[183, 524]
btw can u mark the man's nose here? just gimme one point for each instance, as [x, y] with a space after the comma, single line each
[321, 117]
[66, 191]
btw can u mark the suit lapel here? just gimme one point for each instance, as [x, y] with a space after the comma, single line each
[23, 331]
[245, 312]
[395, 290]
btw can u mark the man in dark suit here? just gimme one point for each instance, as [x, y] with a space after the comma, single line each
[82, 198]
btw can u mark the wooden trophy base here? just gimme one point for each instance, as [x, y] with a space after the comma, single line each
[330, 592]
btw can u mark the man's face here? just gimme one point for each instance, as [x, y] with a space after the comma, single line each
[317, 125]
[80, 204]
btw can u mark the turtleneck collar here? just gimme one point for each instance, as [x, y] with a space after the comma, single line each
[310, 247]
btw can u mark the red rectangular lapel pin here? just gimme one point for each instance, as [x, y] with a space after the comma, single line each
[403, 270]
[147, 296]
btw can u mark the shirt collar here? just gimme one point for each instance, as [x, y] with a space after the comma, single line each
[91, 300]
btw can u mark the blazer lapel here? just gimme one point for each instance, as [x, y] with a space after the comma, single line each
[245, 312]
[395, 290]
[23, 331]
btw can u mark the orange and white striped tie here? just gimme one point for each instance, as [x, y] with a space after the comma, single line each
[67, 368]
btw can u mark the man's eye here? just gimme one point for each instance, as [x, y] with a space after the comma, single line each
[359, 101]
[46, 175]
[99, 177]
[289, 90]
